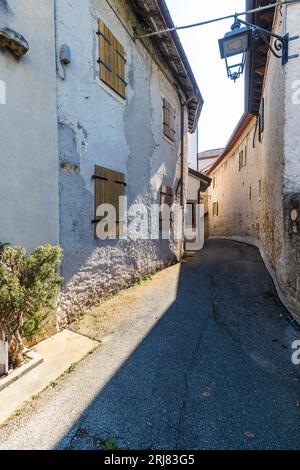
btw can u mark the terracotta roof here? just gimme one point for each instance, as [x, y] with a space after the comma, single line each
[155, 16]
[237, 133]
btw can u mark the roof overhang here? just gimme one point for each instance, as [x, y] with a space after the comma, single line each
[258, 56]
[205, 181]
[236, 135]
[154, 15]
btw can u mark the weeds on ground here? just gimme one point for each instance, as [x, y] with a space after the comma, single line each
[109, 444]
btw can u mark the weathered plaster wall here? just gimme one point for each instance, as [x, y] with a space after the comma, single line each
[98, 127]
[265, 221]
[28, 132]
[232, 188]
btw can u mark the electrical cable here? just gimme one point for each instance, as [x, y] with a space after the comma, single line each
[223, 18]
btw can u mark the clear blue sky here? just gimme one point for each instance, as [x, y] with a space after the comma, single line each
[224, 99]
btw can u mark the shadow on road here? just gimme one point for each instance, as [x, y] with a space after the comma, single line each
[215, 372]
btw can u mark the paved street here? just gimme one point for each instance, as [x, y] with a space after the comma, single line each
[199, 357]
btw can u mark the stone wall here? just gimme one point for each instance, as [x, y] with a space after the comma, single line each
[96, 127]
[271, 171]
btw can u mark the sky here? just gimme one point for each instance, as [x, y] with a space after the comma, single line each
[224, 99]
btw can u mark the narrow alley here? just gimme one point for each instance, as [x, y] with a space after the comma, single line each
[198, 357]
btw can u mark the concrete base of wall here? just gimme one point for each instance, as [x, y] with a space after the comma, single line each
[287, 302]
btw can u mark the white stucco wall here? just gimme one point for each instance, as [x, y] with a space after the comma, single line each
[28, 132]
[97, 127]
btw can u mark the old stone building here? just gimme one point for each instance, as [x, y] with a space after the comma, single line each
[92, 112]
[254, 196]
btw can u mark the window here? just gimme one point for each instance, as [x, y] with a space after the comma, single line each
[250, 193]
[261, 120]
[166, 199]
[242, 158]
[109, 187]
[245, 156]
[214, 182]
[191, 214]
[215, 209]
[259, 189]
[111, 60]
[169, 120]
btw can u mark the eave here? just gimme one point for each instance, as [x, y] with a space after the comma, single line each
[205, 181]
[258, 57]
[154, 15]
[234, 139]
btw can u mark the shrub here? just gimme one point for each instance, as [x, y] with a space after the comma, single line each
[28, 289]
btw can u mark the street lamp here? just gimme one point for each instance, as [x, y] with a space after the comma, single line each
[236, 44]
[234, 47]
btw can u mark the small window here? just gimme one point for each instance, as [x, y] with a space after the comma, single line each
[241, 160]
[169, 120]
[215, 209]
[191, 214]
[245, 156]
[166, 199]
[214, 182]
[259, 189]
[112, 60]
[261, 120]
[250, 193]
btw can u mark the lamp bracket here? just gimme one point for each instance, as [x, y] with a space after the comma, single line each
[281, 43]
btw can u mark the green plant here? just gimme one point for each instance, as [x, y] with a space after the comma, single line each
[109, 444]
[28, 288]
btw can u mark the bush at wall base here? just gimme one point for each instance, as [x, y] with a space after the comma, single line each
[29, 285]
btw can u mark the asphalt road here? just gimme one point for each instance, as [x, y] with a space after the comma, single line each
[197, 358]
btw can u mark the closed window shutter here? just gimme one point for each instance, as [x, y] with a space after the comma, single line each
[215, 209]
[112, 60]
[166, 195]
[121, 62]
[109, 186]
[261, 119]
[241, 160]
[166, 198]
[169, 120]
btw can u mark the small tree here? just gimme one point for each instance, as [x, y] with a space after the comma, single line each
[28, 290]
